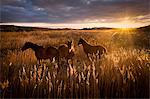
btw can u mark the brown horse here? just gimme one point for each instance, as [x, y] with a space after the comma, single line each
[65, 51]
[89, 49]
[41, 52]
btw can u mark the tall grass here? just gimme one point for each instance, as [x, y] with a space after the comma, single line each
[121, 73]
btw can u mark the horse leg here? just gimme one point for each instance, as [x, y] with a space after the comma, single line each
[42, 71]
[37, 66]
[99, 55]
[71, 62]
[39, 61]
[57, 59]
[51, 59]
[88, 57]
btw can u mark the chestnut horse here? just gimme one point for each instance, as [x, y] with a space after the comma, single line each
[65, 51]
[41, 52]
[89, 49]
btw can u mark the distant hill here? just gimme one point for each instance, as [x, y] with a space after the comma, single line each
[145, 28]
[96, 28]
[13, 28]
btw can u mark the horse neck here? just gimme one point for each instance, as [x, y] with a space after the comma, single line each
[85, 44]
[34, 47]
[69, 46]
[66, 47]
[69, 49]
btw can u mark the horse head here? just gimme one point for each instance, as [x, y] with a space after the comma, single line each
[69, 44]
[80, 41]
[26, 46]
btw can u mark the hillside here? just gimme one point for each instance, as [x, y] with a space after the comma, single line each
[145, 28]
[13, 28]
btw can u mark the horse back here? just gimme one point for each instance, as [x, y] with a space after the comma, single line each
[51, 51]
[40, 53]
[94, 49]
[63, 50]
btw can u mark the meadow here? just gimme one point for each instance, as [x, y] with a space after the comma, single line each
[122, 73]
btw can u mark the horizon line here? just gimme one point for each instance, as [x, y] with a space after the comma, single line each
[71, 25]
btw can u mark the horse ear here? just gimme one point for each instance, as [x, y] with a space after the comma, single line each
[81, 39]
[69, 41]
[28, 42]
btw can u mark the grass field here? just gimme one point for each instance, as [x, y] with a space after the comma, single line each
[122, 73]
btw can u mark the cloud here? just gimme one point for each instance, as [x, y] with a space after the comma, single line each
[73, 11]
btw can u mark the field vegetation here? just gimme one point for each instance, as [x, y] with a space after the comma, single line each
[121, 73]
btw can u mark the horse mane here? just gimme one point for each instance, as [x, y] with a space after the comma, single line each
[85, 42]
[35, 44]
[32, 45]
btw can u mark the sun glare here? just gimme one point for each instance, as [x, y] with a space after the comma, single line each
[125, 29]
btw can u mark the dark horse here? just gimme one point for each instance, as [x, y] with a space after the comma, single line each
[65, 51]
[89, 49]
[41, 52]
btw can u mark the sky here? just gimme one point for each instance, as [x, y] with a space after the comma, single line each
[76, 13]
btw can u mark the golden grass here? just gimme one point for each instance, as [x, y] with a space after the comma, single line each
[122, 73]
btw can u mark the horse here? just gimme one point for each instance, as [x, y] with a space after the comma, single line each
[89, 49]
[66, 51]
[41, 52]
